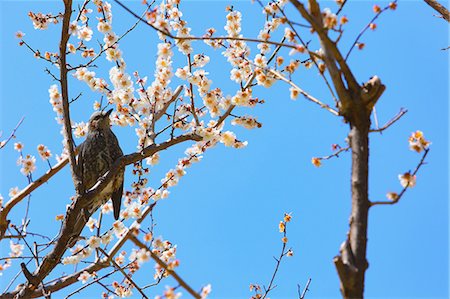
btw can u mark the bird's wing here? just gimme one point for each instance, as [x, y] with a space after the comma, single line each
[80, 161]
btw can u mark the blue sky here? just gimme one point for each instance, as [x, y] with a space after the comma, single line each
[224, 214]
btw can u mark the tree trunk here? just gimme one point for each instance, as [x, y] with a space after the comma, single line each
[352, 264]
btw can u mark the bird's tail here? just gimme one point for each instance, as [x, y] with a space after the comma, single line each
[82, 219]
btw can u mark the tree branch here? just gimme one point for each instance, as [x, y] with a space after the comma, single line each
[439, 8]
[69, 144]
[399, 196]
[25, 192]
[390, 122]
[166, 267]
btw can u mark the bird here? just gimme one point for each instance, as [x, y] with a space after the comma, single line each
[96, 156]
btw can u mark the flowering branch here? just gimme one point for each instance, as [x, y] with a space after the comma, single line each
[378, 12]
[104, 49]
[282, 227]
[317, 161]
[409, 183]
[219, 38]
[166, 267]
[12, 135]
[128, 277]
[25, 192]
[247, 85]
[68, 230]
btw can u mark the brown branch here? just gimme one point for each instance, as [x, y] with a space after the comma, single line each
[68, 231]
[439, 8]
[180, 281]
[399, 196]
[390, 122]
[12, 135]
[331, 55]
[312, 55]
[69, 143]
[25, 192]
[175, 95]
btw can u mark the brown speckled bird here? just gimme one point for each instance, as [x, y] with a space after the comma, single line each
[96, 156]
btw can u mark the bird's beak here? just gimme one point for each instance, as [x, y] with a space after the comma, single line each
[108, 112]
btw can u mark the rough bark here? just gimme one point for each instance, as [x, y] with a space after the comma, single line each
[352, 264]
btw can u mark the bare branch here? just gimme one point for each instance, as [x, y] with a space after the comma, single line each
[390, 122]
[25, 192]
[304, 93]
[69, 143]
[306, 289]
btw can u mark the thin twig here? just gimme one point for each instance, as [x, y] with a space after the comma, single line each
[365, 29]
[247, 85]
[304, 93]
[103, 50]
[341, 7]
[302, 296]
[390, 122]
[168, 34]
[12, 135]
[336, 154]
[311, 54]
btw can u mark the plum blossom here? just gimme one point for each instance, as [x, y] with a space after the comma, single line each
[16, 249]
[407, 180]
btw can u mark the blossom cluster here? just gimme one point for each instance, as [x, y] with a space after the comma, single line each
[417, 142]
[41, 21]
